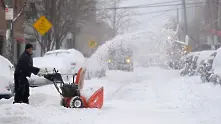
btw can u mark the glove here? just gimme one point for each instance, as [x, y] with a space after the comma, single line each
[42, 72]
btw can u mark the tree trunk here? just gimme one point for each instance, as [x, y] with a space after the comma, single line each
[73, 40]
[57, 43]
[8, 45]
[8, 42]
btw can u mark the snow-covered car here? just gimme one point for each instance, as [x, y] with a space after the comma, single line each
[6, 78]
[68, 62]
[74, 58]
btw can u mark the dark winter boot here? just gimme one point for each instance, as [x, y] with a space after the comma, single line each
[26, 101]
[17, 102]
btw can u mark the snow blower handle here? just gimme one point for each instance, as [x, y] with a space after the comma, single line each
[55, 71]
[42, 72]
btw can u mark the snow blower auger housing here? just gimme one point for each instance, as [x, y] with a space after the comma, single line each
[71, 96]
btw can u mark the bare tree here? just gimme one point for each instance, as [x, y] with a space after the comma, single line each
[65, 15]
[171, 23]
[119, 19]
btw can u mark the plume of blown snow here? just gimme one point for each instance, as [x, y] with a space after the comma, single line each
[149, 47]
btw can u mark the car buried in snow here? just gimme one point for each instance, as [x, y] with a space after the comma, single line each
[67, 62]
[120, 59]
[6, 78]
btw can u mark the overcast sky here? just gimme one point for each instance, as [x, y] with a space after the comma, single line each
[148, 20]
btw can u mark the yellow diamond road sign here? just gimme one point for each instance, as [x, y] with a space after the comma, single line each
[92, 44]
[42, 25]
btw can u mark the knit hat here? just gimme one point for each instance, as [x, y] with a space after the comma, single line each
[27, 46]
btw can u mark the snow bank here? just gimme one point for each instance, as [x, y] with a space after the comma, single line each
[130, 97]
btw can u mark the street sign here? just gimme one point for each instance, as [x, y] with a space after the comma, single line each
[42, 25]
[9, 14]
[92, 44]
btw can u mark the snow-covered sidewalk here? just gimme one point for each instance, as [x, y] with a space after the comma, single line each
[147, 95]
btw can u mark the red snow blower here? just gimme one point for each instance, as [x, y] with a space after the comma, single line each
[71, 96]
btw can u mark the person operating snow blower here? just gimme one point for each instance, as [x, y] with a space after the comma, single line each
[23, 69]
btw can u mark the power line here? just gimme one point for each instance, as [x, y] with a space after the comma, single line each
[161, 11]
[153, 4]
[150, 5]
[158, 3]
[153, 12]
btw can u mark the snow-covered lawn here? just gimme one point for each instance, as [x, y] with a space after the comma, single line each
[145, 96]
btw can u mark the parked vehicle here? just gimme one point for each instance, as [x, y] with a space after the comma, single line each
[67, 62]
[6, 78]
[74, 58]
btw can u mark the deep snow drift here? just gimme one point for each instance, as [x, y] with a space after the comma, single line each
[147, 95]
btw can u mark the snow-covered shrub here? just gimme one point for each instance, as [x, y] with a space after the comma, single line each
[187, 66]
[207, 71]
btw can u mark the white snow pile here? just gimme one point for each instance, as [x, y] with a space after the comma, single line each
[149, 48]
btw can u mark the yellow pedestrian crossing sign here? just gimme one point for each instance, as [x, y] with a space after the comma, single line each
[92, 44]
[42, 25]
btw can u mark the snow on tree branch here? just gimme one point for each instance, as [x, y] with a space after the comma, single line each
[20, 12]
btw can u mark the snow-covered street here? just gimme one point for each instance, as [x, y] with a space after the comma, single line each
[138, 61]
[147, 95]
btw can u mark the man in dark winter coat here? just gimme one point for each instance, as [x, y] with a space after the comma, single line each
[23, 69]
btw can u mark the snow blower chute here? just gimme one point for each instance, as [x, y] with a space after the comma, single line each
[71, 96]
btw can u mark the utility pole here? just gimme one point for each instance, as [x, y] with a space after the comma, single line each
[218, 17]
[185, 17]
[178, 16]
[214, 25]
[114, 18]
[8, 49]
